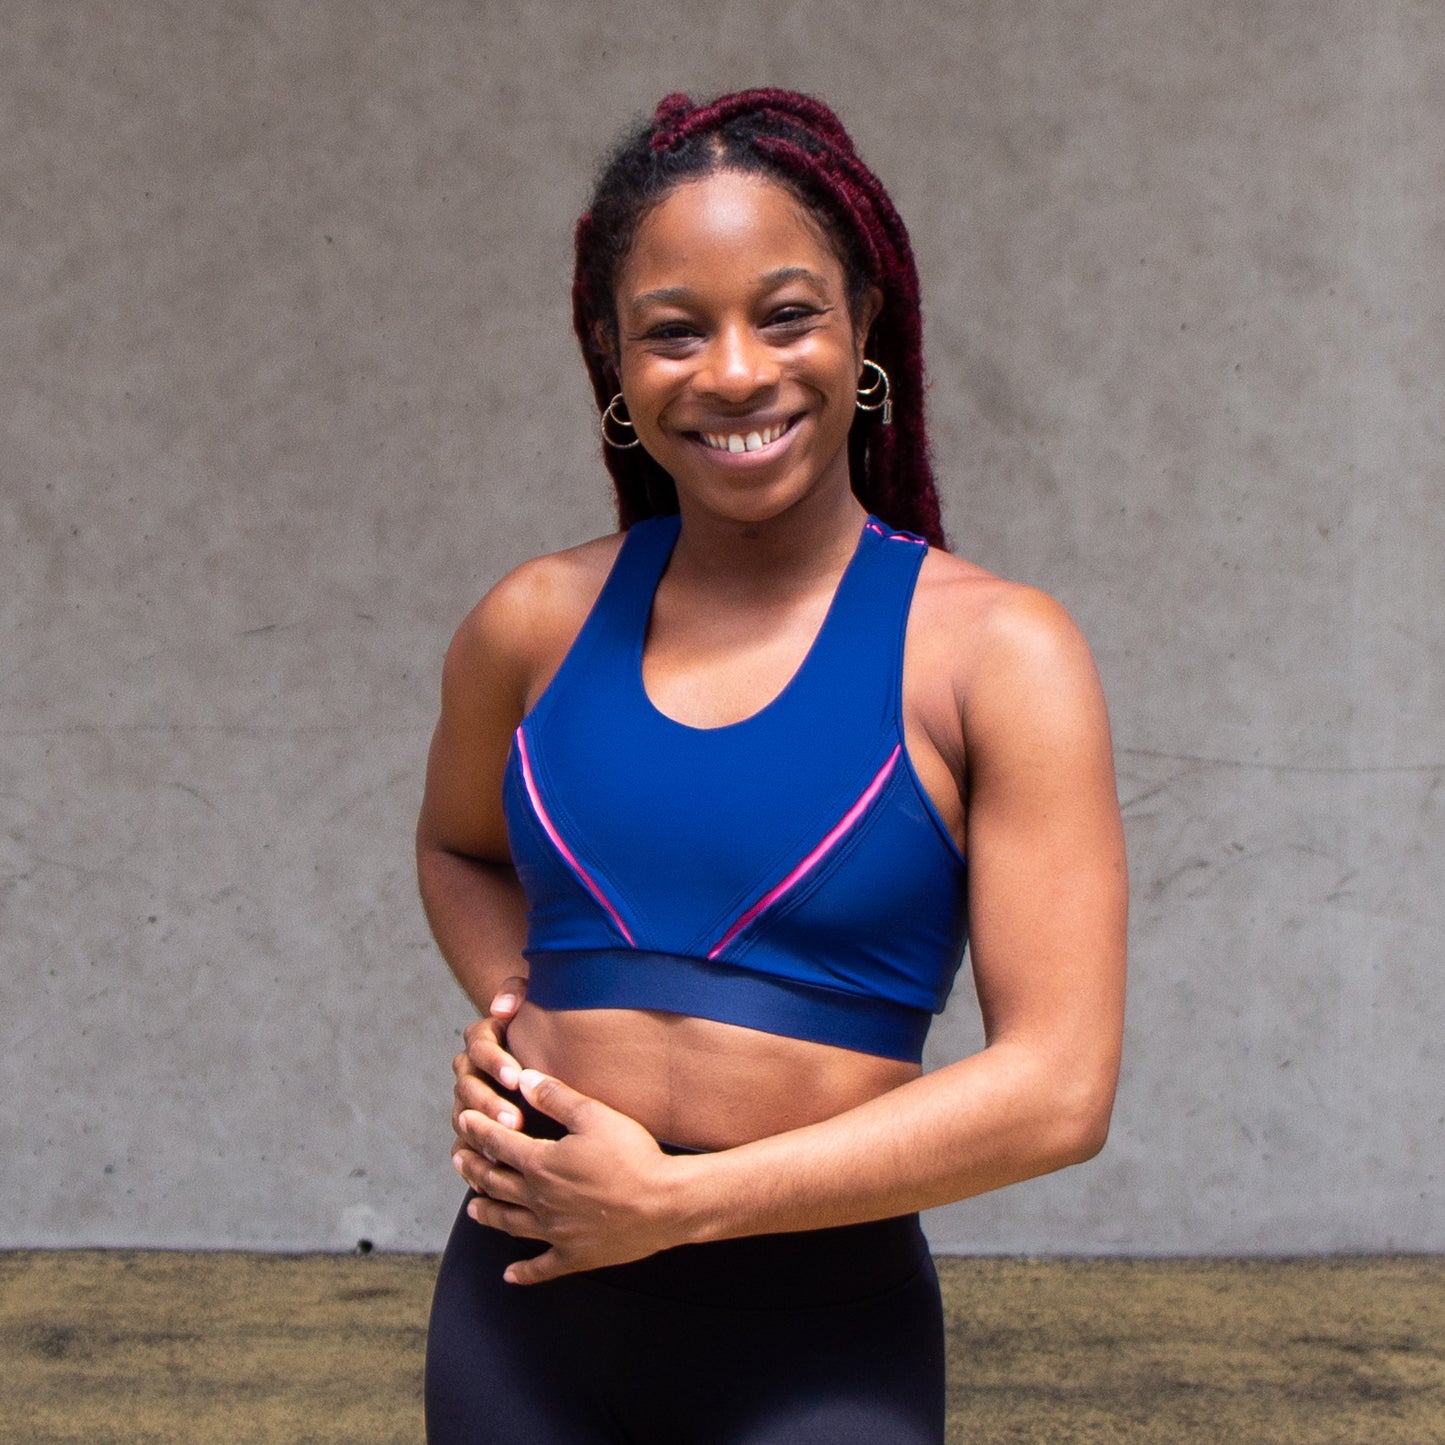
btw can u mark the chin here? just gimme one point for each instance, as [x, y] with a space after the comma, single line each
[754, 499]
[745, 505]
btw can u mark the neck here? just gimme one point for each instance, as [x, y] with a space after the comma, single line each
[812, 539]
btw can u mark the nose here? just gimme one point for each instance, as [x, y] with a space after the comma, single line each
[738, 365]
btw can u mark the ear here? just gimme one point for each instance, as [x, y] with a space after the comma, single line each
[868, 312]
[603, 341]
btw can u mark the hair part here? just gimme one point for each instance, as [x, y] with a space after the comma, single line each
[797, 142]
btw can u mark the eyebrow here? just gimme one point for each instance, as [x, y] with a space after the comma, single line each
[676, 295]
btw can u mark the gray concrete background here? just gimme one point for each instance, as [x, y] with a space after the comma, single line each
[286, 380]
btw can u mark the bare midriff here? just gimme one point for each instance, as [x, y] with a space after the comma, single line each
[695, 1082]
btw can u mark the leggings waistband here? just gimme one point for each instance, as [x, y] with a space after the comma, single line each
[817, 1267]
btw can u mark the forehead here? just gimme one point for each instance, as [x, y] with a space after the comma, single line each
[725, 228]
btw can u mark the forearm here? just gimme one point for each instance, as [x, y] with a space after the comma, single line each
[478, 917]
[994, 1119]
[604, 1193]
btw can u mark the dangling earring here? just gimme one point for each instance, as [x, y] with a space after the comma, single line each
[611, 414]
[877, 394]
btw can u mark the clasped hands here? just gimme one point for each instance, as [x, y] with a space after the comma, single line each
[605, 1194]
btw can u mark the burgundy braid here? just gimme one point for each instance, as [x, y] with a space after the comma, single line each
[671, 111]
[797, 140]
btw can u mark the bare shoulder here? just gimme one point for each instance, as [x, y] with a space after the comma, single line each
[525, 623]
[1005, 645]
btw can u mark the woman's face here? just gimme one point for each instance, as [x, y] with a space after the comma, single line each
[738, 356]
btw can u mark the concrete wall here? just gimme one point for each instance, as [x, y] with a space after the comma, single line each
[286, 380]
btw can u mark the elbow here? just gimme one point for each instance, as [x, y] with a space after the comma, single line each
[432, 853]
[426, 834]
[1088, 1140]
[426, 854]
[1082, 1124]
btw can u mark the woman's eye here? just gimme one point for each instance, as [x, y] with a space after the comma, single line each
[671, 331]
[792, 316]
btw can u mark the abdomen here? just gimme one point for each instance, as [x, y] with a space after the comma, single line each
[696, 1082]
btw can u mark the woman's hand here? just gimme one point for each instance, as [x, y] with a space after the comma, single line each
[484, 1057]
[596, 1196]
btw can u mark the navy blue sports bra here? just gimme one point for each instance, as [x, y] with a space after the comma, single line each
[787, 872]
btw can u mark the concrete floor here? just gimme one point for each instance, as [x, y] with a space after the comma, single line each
[102, 1346]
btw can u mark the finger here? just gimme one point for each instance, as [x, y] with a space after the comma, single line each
[486, 1055]
[481, 1172]
[463, 1065]
[473, 1093]
[537, 1271]
[488, 1060]
[481, 1033]
[509, 1218]
[482, 1028]
[479, 1044]
[508, 998]
[469, 1164]
[558, 1100]
[503, 1146]
[495, 1181]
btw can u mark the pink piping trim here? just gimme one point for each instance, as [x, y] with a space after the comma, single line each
[843, 825]
[547, 826]
[893, 536]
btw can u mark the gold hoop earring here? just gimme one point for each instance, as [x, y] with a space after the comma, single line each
[611, 414]
[877, 395]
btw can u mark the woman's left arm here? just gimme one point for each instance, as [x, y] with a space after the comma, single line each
[1048, 905]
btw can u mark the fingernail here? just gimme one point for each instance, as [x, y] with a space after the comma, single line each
[508, 1076]
[457, 1162]
[504, 1002]
[474, 1212]
[508, 1277]
[532, 1077]
[510, 1118]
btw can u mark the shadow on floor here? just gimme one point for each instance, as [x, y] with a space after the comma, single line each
[121, 1345]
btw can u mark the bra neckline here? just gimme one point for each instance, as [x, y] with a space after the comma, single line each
[788, 689]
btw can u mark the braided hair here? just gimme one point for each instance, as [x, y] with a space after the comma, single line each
[799, 143]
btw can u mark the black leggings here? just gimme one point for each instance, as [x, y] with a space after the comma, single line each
[831, 1337]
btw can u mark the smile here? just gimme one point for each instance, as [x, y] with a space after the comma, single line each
[750, 441]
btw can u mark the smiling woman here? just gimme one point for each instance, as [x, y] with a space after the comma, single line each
[796, 143]
[694, 834]
[737, 352]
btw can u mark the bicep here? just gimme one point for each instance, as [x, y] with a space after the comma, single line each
[461, 808]
[1047, 877]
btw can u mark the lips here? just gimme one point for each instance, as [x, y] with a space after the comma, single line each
[752, 440]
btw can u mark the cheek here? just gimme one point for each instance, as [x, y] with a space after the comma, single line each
[644, 377]
[826, 356]
[843, 385]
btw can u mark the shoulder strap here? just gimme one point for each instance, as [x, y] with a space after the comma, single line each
[620, 614]
[859, 655]
[615, 626]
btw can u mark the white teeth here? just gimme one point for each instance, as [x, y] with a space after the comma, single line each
[753, 441]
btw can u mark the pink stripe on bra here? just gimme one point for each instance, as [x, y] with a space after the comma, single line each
[835, 835]
[548, 827]
[894, 536]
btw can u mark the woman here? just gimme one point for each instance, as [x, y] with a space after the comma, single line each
[714, 777]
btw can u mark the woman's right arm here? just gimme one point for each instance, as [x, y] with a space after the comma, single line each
[464, 869]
